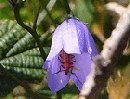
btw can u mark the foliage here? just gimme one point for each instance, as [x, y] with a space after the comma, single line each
[19, 52]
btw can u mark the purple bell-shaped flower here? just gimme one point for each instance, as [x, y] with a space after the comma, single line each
[70, 55]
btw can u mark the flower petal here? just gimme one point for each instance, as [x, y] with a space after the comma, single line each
[46, 64]
[74, 37]
[70, 37]
[77, 38]
[83, 63]
[77, 82]
[55, 48]
[56, 43]
[86, 42]
[56, 64]
[91, 47]
[57, 81]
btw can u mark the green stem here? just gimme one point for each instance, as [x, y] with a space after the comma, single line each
[58, 95]
[30, 30]
[68, 10]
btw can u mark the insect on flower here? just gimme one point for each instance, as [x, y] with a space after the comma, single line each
[67, 63]
[70, 55]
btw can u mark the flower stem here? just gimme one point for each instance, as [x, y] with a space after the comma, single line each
[58, 95]
[68, 10]
[30, 30]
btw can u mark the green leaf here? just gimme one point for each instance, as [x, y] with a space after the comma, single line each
[19, 51]
[11, 32]
[25, 43]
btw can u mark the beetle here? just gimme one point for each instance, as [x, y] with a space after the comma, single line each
[67, 63]
[66, 60]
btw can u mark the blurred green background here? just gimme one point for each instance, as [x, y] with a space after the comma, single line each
[20, 57]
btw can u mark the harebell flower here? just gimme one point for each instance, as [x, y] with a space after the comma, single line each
[70, 56]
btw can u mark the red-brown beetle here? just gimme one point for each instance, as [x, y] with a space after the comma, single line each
[66, 61]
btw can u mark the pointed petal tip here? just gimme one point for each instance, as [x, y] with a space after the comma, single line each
[58, 81]
[46, 64]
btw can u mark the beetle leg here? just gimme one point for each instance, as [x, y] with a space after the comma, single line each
[60, 60]
[60, 69]
[72, 56]
[61, 55]
[72, 62]
[62, 66]
[57, 72]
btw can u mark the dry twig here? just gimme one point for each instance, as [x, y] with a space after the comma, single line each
[104, 64]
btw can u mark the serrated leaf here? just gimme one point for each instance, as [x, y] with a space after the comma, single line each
[29, 63]
[11, 33]
[36, 73]
[19, 52]
[22, 60]
[36, 52]
[25, 43]
[4, 26]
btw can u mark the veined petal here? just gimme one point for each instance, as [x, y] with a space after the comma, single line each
[83, 63]
[74, 37]
[55, 48]
[86, 42]
[57, 81]
[77, 82]
[70, 37]
[81, 32]
[56, 43]
[56, 64]
[77, 38]
[91, 47]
